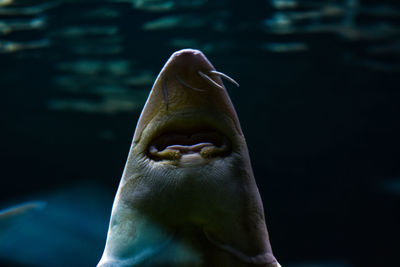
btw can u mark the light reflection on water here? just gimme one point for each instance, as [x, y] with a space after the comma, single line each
[94, 38]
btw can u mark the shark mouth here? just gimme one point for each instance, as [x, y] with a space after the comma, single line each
[174, 145]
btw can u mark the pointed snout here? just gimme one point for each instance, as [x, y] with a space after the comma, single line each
[189, 60]
[186, 84]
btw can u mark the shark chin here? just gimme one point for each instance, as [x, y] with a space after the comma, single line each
[187, 196]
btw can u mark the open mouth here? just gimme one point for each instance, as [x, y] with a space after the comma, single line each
[174, 145]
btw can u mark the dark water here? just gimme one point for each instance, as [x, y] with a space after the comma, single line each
[318, 103]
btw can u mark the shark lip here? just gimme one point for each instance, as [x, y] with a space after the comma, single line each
[172, 145]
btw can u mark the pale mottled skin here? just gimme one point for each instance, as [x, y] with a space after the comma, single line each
[192, 211]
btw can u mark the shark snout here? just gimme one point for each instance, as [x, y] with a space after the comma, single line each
[188, 53]
[189, 59]
[188, 79]
[187, 84]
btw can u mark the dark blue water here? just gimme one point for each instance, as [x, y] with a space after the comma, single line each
[318, 103]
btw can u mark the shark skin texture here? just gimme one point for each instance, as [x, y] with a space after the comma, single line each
[187, 196]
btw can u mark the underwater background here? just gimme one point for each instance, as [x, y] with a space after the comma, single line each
[318, 103]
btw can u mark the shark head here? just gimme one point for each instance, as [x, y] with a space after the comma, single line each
[188, 118]
[187, 196]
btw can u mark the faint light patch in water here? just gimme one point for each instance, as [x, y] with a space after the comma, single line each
[93, 84]
[24, 24]
[72, 227]
[109, 105]
[80, 31]
[101, 86]
[27, 8]
[102, 13]
[95, 66]
[391, 186]
[83, 66]
[94, 50]
[213, 20]
[284, 4]
[154, 5]
[373, 27]
[141, 78]
[166, 5]
[284, 47]
[279, 21]
[10, 26]
[12, 47]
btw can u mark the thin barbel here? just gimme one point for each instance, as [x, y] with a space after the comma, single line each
[223, 75]
[205, 76]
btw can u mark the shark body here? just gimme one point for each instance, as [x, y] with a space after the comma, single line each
[187, 196]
